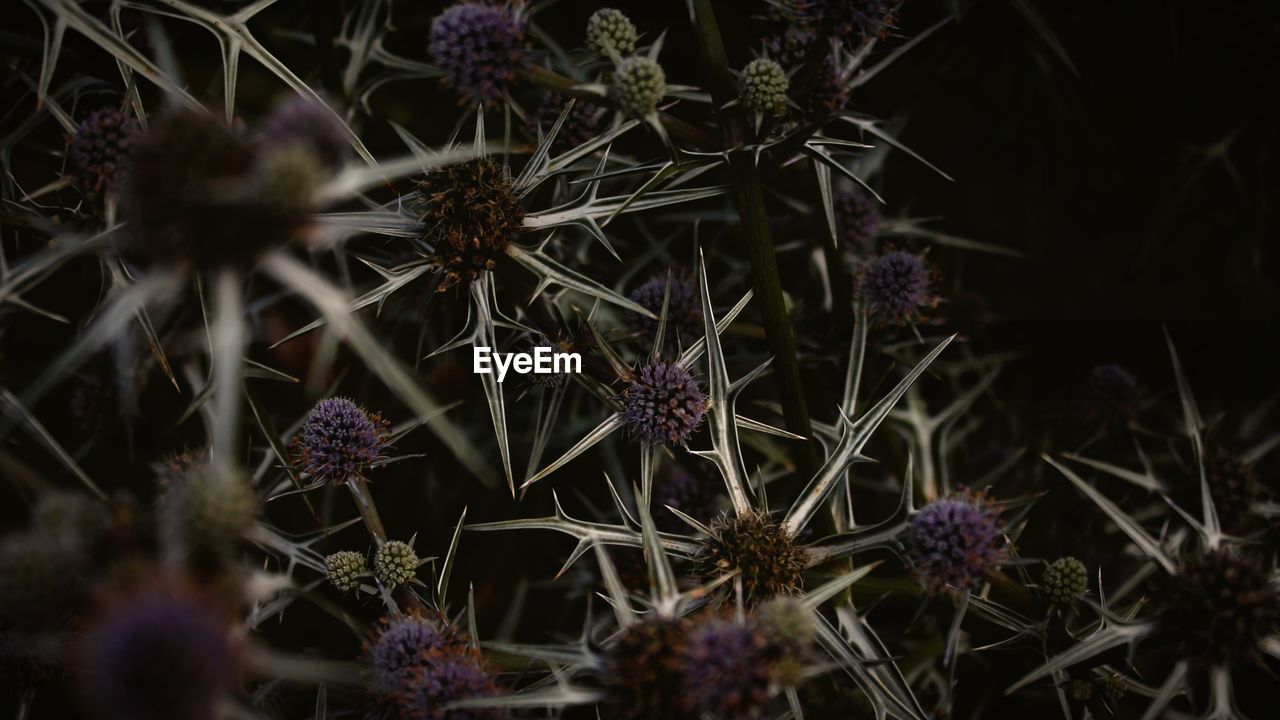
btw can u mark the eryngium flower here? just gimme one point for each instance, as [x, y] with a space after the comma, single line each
[1065, 581]
[207, 509]
[763, 87]
[952, 541]
[339, 440]
[1110, 394]
[39, 576]
[663, 404]
[787, 624]
[344, 568]
[102, 149]
[405, 644]
[471, 213]
[727, 669]
[643, 674]
[895, 286]
[157, 657]
[427, 691]
[1235, 489]
[303, 121]
[693, 495]
[480, 47]
[857, 221]
[579, 125]
[1220, 606]
[684, 309]
[193, 195]
[638, 86]
[610, 33]
[767, 559]
[848, 18]
[395, 563]
[823, 94]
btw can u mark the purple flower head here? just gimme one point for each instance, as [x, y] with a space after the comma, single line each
[1110, 393]
[727, 670]
[339, 440]
[429, 689]
[480, 47]
[684, 308]
[579, 125]
[953, 541]
[824, 94]
[695, 496]
[158, 656]
[857, 221]
[896, 286]
[663, 404]
[303, 121]
[406, 644]
[847, 19]
[102, 149]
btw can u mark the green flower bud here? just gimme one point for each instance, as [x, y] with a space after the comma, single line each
[609, 29]
[638, 86]
[763, 87]
[344, 568]
[395, 563]
[1065, 581]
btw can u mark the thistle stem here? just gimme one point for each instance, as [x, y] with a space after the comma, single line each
[368, 511]
[748, 195]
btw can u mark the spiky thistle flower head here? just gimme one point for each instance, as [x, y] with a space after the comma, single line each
[824, 93]
[480, 47]
[767, 558]
[643, 675]
[1219, 605]
[194, 196]
[101, 150]
[763, 87]
[339, 440]
[727, 668]
[611, 33]
[638, 86]
[857, 221]
[787, 623]
[953, 540]
[471, 213]
[663, 404]
[395, 563]
[684, 308]
[1065, 581]
[405, 643]
[159, 655]
[1234, 487]
[847, 19]
[303, 122]
[427, 690]
[207, 509]
[694, 495]
[579, 125]
[1110, 394]
[344, 568]
[897, 287]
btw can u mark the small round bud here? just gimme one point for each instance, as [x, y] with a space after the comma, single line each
[290, 175]
[344, 568]
[1115, 686]
[610, 32]
[787, 624]
[663, 404]
[638, 86]
[1080, 690]
[101, 150]
[303, 121]
[395, 563]
[763, 87]
[1065, 581]
[208, 510]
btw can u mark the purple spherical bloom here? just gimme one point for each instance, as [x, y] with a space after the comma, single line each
[428, 690]
[1110, 393]
[663, 404]
[479, 47]
[727, 670]
[102, 149]
[405, 645]
[695, 496]
[302, 120]
[824, 94]
[339, 440]
[848, 18]
[157, 656]
[895, 286]
[953, 541]
[857, 221]
[684, 308]
[579, 125]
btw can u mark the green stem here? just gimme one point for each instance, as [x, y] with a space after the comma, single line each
[748, 196]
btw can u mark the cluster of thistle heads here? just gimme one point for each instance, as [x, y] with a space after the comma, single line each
[229, 526]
